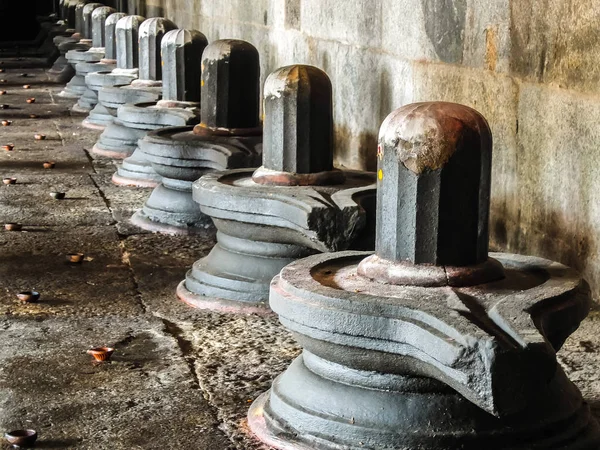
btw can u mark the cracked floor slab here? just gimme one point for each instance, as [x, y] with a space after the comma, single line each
[152, 394]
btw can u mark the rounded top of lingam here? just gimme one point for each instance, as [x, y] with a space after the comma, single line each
[433, 196]
[128, 22]
[298, 128]
[426, 135]
[183, 36]
[114, 18]
[230, 88]
[156, 26]
[89, 8]
[102, 12]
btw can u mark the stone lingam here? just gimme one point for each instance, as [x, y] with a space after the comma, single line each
[106, 66]
[61, 70]
[87, 53]
[126, 33]
[430, 342]
[229, 136]
[89, 61]
[117, 140]
[295, 205]
[180, 104]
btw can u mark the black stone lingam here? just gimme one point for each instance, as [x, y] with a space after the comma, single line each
[126, 52]
[180, 104]
[295, 205]
[90, 60]
[76, 86]
[430, 342]
[117, 140]
[229, 136]
[106, 66]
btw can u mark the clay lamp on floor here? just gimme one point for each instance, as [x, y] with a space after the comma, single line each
[8, 147]
[6, 123]
[49, 165]
[30, 100]
[2, 92]
[75, 258]
[33, 116]
[26, 86]
[21, 438]
[28, 296]
[101, 354]
[24, 75]
[4, 106]
[9, 180]
[3, 81]
[12, 226]
[39, 137]
[1, 70]
[57, 195]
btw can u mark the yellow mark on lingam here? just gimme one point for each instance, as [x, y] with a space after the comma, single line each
[380, 174]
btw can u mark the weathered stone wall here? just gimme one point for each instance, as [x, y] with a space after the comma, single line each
[530, 66]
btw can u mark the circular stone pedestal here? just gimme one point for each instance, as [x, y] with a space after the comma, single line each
[235, 276]
[89, 98]
[61, 71]
[439, 368]
[262, 228]
[136, 170]
[181, 157]
[76, 86]
[117, 140]
[100, 116]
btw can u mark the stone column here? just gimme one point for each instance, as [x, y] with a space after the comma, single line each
[86, 17]
[230, 85]
[79, 25]
[181, 71]
[110, 44]
[127, 36]
[151, 35]
[99, 18]
[298, 127]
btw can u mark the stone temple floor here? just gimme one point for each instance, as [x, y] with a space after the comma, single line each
[180, 378]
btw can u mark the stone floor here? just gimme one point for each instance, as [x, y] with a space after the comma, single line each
[180, 378]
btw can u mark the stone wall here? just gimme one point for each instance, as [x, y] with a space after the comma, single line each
[530, 66]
